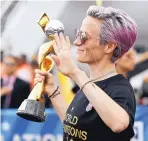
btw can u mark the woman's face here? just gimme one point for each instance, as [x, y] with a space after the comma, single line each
[87, 41]
[9, 66]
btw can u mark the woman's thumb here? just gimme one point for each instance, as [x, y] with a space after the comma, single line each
[55, 59]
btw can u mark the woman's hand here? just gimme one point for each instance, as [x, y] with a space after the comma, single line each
[63, 60]
[50, 82]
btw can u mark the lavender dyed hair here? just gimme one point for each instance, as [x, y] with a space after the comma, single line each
[117, 27]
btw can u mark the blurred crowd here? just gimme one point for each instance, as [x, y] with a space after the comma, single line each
[17, 74]
[134, 66]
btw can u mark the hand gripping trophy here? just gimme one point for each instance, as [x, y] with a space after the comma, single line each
[33, 108]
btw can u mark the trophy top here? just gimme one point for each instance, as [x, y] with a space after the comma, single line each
[50, 26]
[54, 26]
[44, 19]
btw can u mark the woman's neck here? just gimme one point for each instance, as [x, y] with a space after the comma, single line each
[102, 68]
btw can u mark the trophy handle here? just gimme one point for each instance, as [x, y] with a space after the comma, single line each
[36, 91]
[46, 64]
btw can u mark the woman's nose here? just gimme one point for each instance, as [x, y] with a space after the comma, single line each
[77, 42]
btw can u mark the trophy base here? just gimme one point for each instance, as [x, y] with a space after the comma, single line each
[32, 110]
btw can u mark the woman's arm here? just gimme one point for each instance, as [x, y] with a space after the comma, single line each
[113, 115]
[59, 105]
[57, 99]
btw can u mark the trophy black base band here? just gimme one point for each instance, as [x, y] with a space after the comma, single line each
[32, 110]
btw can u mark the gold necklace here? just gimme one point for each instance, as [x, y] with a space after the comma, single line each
[96, 79]
[105, 75]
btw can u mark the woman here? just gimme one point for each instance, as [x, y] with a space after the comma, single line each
[104, 108]
[126, 63]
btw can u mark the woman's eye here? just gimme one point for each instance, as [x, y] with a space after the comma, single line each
[83, 36]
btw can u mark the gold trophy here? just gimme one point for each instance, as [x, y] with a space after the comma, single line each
[33, 108]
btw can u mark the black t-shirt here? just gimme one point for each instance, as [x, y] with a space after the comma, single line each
[82, 122]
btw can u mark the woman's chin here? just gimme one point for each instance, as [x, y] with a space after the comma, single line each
[80, 59]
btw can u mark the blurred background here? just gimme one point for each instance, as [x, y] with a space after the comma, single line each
[21, 38]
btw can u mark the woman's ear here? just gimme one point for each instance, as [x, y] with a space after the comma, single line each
[110, 47]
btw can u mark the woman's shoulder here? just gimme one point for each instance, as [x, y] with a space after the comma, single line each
[117, 80]
[116, 84]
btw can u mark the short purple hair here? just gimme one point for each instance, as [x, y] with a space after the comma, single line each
[118, 27]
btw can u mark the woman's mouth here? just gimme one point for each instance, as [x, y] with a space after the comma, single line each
[80, 50]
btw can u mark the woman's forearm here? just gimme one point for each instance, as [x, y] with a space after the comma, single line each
[110, 112]
[60, 105]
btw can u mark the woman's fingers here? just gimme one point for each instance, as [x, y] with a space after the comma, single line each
[37, 80]
[39, 72]
[56, 49]
[41, 76]
[55, 59]
[57, 40]
[37, 75]
[62, 40]
[68, 41]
